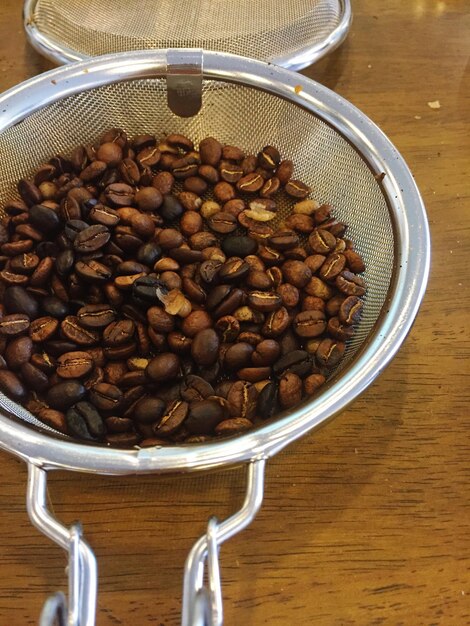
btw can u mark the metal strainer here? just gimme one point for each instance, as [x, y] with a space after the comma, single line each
[291, 33]
[338, 151]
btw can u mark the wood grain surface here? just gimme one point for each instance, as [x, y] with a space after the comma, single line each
[365, 522]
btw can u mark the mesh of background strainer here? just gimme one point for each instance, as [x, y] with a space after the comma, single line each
[261, 29]
[236, 115]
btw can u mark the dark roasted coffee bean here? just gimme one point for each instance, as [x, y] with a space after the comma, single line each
[163, 367]
[73, 228]
[64, 262]
[238, 356]
[54, 419]
[104, 215]
[186, 255]
[268, 404]
[266, 353]
[54, 307]
[172, 419]
[43, 328]
[254, 374]
[34, 378]
[14, 324]
[24, 263]
[17, 300]
[119, 333]
[239, 246]
[195, 389]
[63, 395]
[12, 386]
[230, 303]
[106, 397]
[93, 271]
[18, 352]
[72, 330]
[56, 347]
[233, 270]
[204, 416]
[297, 362]
[308, 324]
[44, 218]
[92, 238]
[148, 410]
[116, 424]
[29, 192]
[9, 278]
[205, 347]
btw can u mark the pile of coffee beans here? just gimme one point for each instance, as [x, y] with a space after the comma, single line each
[151, 293]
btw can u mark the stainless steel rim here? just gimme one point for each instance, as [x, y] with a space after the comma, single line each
[304, 56]
[412, 262]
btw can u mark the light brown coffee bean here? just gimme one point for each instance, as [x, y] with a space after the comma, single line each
[308, 324]
[74, 364]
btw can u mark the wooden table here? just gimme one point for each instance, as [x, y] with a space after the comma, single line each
[365, 522]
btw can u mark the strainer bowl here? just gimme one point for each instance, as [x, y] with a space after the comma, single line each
[338, 151]
[292, 33]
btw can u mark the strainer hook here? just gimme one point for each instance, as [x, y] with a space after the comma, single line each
[80, 610]
[202, 606]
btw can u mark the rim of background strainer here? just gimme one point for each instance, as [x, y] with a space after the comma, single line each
[300, 51]
[407, 288]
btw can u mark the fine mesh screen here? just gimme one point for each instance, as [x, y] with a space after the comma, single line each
[235, 115]
[262, 29]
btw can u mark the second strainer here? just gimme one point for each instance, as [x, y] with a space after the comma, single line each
[290, 33]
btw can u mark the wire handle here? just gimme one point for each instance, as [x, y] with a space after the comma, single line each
[202, 606]
[80, 610]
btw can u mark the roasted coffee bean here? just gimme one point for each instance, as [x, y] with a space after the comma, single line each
[64, 262]
[234, 298]
[254, 374]
[242, 399]
[55, 419]
[204, 416]
[9, 278]
[24, 263]
[148, 410]
[195, 322]
[163, 367]
[296, 188]
[210, 151]
[74, 364]
[44, 218]
[102, 214]
[96, 315]
[322, 241]
[93, 271]
[43, 328]
[313, 382]
[238, 356]
[233, 426]
[350, 310]
[297, 361]
[173, 418]
[18, 352]
[149, 253]
[119, 333]
[290, 390]
[266, 353]
[12, 386]
[116, 424]
[354, 261]
[92, 238]
[308, 324]
[14, 324]
[119, 194]
[296, 273]
[34, 378]
[72, 330]
[205, 347]
[251, 183]
[239, 246]
[228, 327]
[64, 394]
[222, 223]
[268, 404]
[329, 352]
[316, 287]
[233, 270]
[195, 389]
[350, 284]
[17, 300]
[264, 301]
[106, 397]
[289, 295]
[332, 266]
[276, 323]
